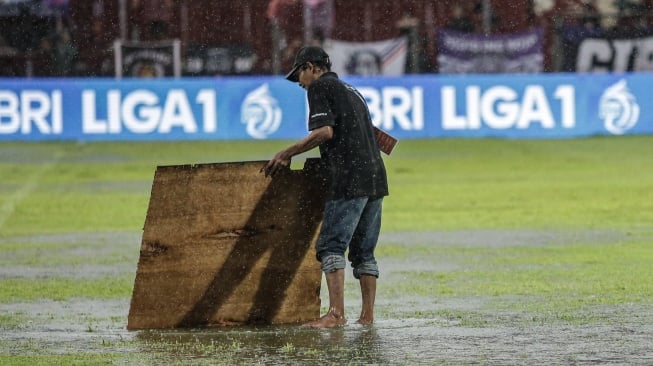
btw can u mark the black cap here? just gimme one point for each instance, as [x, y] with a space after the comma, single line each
[307, 54]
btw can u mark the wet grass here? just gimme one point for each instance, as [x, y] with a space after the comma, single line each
[435, 184]
[65, 288]
[587, 183]
[562, 282]
[74, 358]
[13, 321]
[584, 272]
[557, 234]
[61, 253]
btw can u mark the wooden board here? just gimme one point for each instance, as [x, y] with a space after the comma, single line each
[224, 245]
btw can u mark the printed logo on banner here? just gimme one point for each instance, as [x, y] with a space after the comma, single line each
[618, 108]
[261, 113]
[364, 62]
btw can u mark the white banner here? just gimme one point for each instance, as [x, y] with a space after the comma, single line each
[143, 59]
[368, 58]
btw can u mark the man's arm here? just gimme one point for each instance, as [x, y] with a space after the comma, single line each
[282, 158]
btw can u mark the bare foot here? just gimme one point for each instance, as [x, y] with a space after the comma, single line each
[330, 320]
[364, 321]
[367, 317]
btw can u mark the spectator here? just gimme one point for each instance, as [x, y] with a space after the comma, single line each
[460, 21]
[408, 27]
[156, 16]
[591, 16]
[280, 13]
[319, 20]
[64, 55]
[5, 48]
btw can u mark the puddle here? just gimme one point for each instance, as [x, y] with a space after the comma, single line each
[92, 239]
[74, 271]
[507, 336]
[87, 326]
[503, 238]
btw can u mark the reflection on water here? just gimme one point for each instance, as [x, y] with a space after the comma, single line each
[408, 341]
[270, 344]
[402, 341]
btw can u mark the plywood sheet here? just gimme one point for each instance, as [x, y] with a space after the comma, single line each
[223, 245]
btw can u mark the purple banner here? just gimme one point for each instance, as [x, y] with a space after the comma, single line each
[42, 8]
[466, 53]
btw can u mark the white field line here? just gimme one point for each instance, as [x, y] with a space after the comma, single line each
[8, 208]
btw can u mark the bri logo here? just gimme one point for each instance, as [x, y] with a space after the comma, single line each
[261, 113]
[618, 108]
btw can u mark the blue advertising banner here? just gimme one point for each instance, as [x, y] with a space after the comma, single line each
[251, 108]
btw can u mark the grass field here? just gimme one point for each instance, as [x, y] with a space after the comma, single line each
[492, 252]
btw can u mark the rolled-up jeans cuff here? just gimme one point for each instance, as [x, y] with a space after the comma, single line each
[369, 269]
[332, 263]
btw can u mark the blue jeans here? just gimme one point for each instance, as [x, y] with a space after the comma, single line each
[354, 224]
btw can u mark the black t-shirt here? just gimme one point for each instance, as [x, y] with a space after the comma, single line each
[352, 155]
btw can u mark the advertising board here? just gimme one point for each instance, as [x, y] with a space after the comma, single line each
[269, 107]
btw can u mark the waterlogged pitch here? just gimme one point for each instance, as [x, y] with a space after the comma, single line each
[492, 252]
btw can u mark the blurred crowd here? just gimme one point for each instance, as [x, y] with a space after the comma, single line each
[61, 44]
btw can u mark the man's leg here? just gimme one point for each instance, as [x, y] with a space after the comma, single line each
[336, 315]
[361, 255]
[338, 225]
[368, 294]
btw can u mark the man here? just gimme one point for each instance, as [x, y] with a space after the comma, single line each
[340, 124]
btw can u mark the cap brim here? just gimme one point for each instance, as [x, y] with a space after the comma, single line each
[292, 75]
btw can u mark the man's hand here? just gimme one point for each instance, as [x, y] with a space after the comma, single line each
[280, 161]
